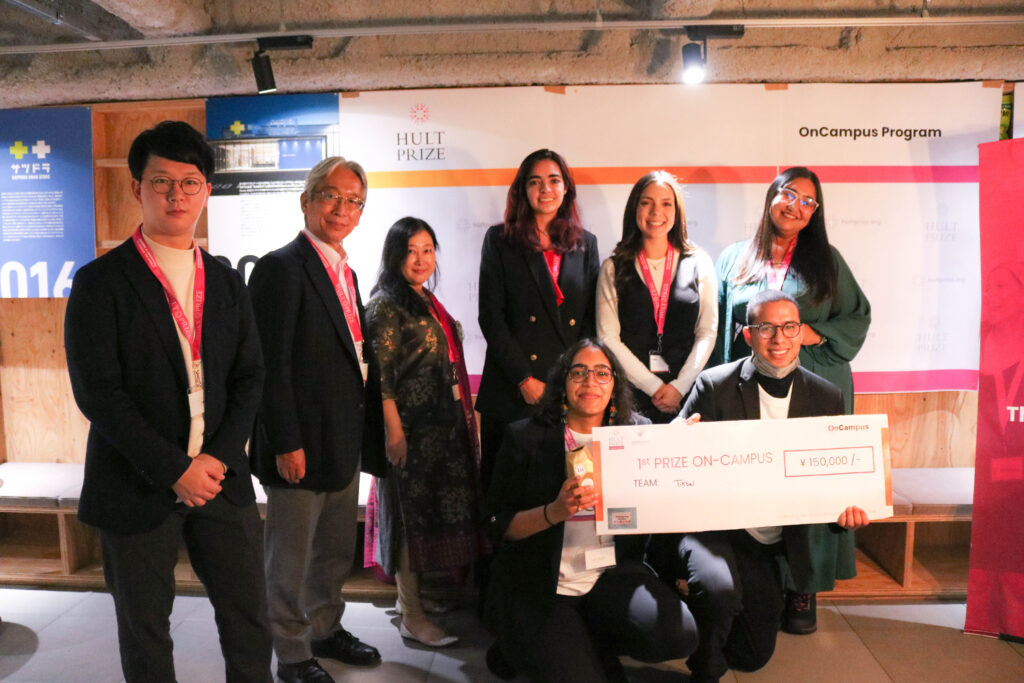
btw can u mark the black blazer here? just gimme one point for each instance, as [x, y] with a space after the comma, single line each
[314, 397]
[524, 329]
[129, 378]
[729, 392]
[529, 471]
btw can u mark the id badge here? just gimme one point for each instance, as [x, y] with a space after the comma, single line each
[601, 556]
[196, 402]
[657, 363]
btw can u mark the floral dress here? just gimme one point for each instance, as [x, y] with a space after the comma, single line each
[433, 502]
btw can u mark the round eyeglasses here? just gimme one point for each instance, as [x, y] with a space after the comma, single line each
[602, 374]
[767, 330]
[189, 186]
[789, 196]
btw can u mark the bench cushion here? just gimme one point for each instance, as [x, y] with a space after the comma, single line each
[935, 490]
[39, 484]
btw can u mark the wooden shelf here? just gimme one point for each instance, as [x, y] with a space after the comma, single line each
[909, 559]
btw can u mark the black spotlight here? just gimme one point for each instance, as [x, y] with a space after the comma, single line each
[263, 72]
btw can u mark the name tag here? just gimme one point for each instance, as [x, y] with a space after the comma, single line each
[196, 402]
[657, 363]
[602, 556]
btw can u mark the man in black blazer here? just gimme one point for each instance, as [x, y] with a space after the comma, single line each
[165, 362]
[733, 577]
[320, 423]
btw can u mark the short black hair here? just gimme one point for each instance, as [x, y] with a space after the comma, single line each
[174, 140]
[767, 296]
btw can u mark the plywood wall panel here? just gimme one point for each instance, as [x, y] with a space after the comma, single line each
[931, 429]
[40, 419]
[121, 122]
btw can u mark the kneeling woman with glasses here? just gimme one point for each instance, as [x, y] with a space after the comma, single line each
[564, 602]
[790, 252]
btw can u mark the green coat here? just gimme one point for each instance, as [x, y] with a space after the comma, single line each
[844, 322]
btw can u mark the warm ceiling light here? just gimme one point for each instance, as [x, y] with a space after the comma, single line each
[693, 63]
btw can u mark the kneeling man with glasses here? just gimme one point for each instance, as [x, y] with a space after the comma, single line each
[734, 578]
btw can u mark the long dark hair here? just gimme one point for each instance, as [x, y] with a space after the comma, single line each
[396, 248]
[565, 229]
[632, 240]
[812, 257]
[554, 391]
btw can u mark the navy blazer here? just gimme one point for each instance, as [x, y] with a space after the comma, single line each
[524, 329]
[129, 378]
[730, 392]
[314, 397]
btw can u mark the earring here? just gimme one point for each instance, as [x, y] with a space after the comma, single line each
[565, 407]
[612, 412]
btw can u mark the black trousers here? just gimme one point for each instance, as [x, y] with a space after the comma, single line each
[735, 592]
[629, 611]
[225, 546]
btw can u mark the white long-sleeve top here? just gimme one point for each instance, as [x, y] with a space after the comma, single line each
[705, 331]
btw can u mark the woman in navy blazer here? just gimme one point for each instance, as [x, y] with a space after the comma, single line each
[538, 275]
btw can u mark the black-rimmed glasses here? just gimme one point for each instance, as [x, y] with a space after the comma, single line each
[767, 330]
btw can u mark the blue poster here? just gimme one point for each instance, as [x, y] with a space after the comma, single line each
[47, 225]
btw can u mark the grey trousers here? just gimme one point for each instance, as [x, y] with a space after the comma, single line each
[309, 542]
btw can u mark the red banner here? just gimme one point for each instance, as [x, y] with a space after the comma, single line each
[995, 589]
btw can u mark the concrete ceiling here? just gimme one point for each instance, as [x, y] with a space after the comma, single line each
[141, 50]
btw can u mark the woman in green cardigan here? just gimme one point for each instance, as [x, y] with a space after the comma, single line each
[791, 252]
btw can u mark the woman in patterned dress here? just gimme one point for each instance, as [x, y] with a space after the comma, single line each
[427, 508]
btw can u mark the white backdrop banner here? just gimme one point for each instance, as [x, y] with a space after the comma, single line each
[898, 163]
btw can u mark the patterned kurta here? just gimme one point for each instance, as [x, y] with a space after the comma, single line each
[434, 501]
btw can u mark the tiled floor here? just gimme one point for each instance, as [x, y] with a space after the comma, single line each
[66, 637]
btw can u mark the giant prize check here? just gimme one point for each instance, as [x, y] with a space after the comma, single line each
[734, 475]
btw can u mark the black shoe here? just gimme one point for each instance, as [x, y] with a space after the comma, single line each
[801, 615]
[345, 647]
[498, 665]
[308, 671]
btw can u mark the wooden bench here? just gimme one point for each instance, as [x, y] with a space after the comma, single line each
[923, 550]
[42, 543]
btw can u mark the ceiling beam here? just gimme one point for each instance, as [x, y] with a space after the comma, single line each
[84, 18]
[440, 28]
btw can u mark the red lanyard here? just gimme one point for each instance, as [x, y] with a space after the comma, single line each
[193, 333]
[554, 261]
[776, 276]
[570, 440]
[442, 318]
[659, 301]
[346, 302]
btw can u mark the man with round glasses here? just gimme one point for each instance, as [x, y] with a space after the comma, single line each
[733, 577]
[165, 362]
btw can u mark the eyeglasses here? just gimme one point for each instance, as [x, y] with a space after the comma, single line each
[805, 202]
[602, 373]
[352, 203]
[767, 330]
[189, 186]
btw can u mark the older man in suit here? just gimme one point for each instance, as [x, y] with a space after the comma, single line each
[321, 421]
[733, 577]
[165, 362]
